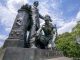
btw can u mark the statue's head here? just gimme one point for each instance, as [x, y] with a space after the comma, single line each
[48, 18]
[36, 3]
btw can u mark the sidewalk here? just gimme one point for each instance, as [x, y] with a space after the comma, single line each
[60, 58]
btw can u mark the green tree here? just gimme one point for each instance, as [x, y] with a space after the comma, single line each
[66, 42]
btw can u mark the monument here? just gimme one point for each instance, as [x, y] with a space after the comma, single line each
[19, 44]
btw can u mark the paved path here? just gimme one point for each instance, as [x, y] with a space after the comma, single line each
[60, 58]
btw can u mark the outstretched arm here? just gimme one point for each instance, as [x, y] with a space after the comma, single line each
[40, 16]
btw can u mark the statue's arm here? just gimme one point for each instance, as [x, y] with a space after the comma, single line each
[40, 29]
[40, 16]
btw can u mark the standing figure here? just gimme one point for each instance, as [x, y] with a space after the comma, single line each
[42, 40]
[35, 20]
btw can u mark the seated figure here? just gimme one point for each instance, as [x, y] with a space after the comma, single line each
[42, 40]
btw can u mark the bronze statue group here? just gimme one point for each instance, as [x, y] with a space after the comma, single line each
[39, 36]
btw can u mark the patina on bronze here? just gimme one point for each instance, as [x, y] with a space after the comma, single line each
[42, 40]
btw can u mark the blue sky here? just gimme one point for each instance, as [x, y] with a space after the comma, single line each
[64, 13]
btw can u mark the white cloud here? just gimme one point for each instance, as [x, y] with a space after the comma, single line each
[43, 8]
[1, 44]
[3, 37]
[8, 29]
[59, 22]
[7, 17]
[67, 27]
[14, 5]
[9, 12]
[78, 15]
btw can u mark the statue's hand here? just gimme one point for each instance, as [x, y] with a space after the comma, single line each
[37, 34]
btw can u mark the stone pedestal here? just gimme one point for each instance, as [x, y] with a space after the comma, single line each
[21, 54]
[16, 53]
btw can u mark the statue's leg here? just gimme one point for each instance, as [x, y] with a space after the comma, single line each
[51, 44]
[28, 39]
[26, 42]
[32, 33]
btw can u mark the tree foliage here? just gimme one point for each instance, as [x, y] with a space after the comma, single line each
[67, 42]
